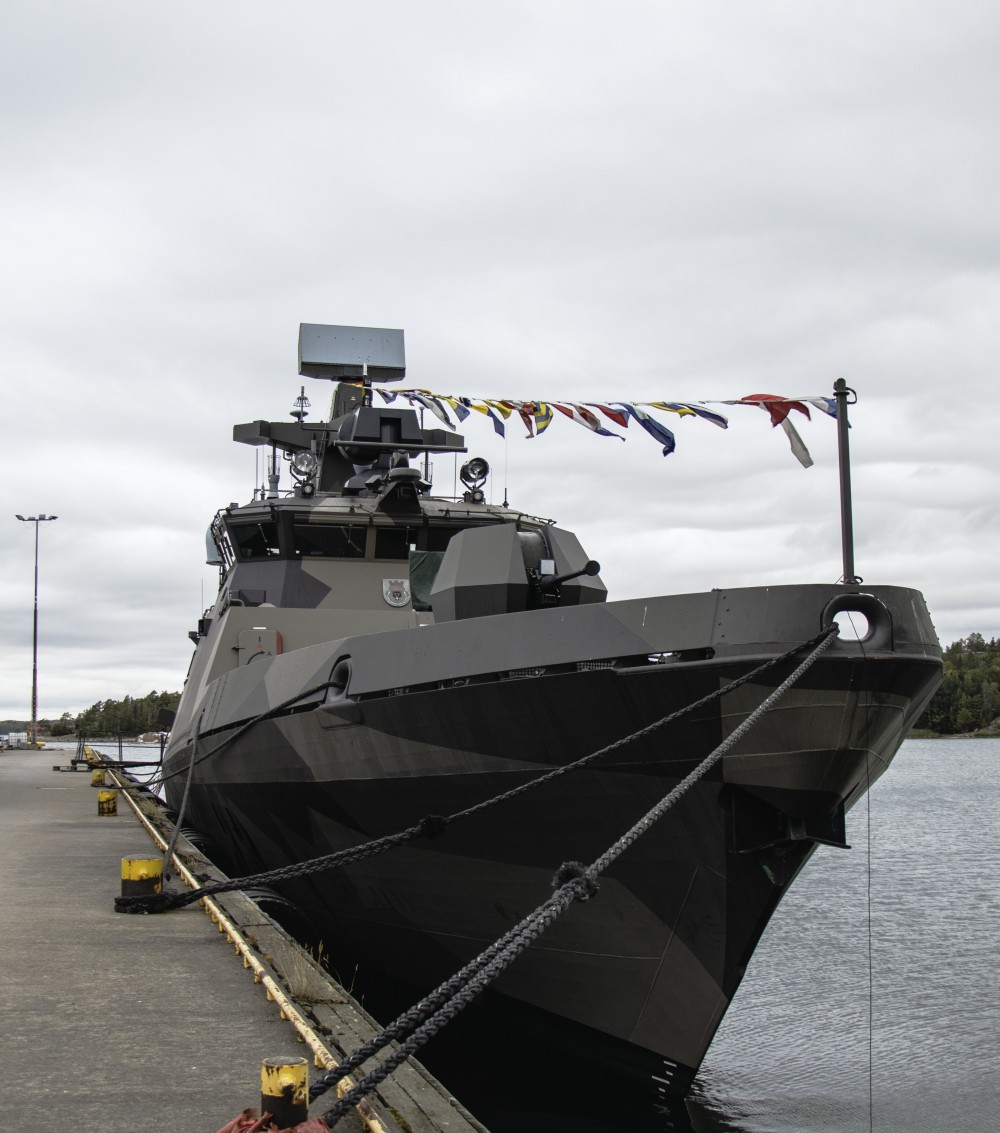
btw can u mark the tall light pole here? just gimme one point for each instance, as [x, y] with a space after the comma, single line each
[33, 736]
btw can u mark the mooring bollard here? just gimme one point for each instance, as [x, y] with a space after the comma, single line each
[97, 777]
[284, 1090]
[107, 802]
[141, 876]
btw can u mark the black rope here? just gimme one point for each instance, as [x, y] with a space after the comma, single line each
[573, 882]
[163, 902]
[168, 854]
[576, 889]
[431, 825]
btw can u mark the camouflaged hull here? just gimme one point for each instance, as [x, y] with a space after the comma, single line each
[431, 718]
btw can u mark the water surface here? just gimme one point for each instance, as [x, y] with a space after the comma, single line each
[817, 1039]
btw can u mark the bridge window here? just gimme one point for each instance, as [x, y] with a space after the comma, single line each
[399, 542]
[394, 542]
[328, 540]
[255, 540]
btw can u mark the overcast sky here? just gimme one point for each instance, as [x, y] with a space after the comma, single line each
[579, 200]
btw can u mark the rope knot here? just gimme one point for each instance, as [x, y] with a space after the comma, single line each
[432, 826]
[150, 903]
[576, 871]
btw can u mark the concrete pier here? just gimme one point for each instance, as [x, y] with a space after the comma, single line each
[123, 1023]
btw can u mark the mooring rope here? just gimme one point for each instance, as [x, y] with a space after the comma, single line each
[431, 825]
[168, 854]
[573, 882]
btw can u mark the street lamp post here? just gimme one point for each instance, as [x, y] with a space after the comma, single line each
[33, 736]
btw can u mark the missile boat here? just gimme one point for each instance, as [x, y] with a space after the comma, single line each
[378, 653]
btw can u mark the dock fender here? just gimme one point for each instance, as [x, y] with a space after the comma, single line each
[339, 708]
[873, 610]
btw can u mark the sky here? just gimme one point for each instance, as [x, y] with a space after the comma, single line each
[582, 200]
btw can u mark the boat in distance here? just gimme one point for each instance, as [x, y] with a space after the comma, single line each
[378, 653]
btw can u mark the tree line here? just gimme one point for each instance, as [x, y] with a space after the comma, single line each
[130, 716]
[969, 697]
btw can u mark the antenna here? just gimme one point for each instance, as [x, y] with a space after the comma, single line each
[273, 473]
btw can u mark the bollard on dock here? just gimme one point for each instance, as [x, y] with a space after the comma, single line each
[284, 1090]
[141, 876]
[97, 777]
[107, 803]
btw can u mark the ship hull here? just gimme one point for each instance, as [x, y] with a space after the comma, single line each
[640, 976]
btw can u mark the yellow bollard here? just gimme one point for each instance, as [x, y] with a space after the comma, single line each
[284, 1090]
[107, 803]
[141, 876]
[97, 777]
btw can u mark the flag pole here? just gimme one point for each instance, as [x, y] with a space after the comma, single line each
[842, 392]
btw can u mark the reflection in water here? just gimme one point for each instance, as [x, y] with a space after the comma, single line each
[705, 1115]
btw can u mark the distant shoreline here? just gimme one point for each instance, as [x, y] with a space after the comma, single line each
[924, 734]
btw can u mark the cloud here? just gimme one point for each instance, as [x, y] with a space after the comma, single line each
[635, 201]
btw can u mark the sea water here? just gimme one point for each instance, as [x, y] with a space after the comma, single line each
[871, 1003]
[873, 1000]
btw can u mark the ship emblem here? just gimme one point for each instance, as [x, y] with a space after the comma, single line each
[396, 591]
